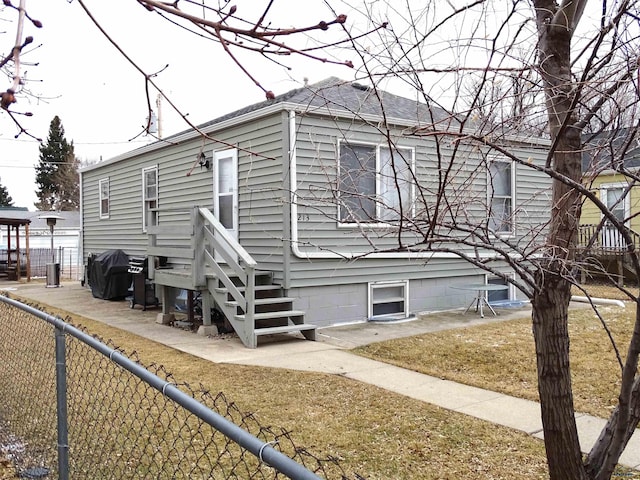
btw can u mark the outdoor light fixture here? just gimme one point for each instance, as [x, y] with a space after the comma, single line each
[203, 161]
[53, 268]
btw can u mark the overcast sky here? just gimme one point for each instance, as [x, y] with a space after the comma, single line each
[79, 76]
[100, 98]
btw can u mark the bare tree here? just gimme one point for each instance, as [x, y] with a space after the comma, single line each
[13, 59]
[249, 33]
[583, 63]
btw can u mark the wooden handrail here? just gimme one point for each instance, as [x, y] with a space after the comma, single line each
[226, 238]
[208, 240]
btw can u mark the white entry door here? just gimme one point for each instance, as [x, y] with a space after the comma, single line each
[611, 196]
[225, 192]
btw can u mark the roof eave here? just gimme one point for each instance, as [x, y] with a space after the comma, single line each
[271, 110]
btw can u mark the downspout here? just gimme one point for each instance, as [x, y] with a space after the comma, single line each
[293, 209]
[81, 233]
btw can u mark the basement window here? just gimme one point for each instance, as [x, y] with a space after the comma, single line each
[498, 297]
[388, 300]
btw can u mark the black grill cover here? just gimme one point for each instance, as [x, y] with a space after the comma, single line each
[109, 275]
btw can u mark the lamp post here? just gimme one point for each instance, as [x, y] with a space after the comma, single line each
[53, 268]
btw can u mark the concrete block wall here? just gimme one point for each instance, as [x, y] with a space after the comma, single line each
[332, 305]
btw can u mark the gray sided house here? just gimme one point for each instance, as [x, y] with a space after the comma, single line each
[288, 215]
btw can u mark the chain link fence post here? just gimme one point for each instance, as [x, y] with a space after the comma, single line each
[61, 405]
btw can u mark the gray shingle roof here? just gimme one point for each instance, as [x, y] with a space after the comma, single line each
[69, 221]
[611, 150]
[339, 95]
[333, 96]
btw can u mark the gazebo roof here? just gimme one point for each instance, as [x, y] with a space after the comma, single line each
[15, 217]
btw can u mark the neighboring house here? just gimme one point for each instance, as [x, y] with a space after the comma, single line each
[66, 237]
[284, 188]
[603, 162]
[66, 232]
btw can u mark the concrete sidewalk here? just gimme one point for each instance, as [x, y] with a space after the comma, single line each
[328, 355]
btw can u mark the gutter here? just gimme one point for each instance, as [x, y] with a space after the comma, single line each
[81, 224]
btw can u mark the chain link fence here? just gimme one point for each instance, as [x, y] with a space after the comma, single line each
[611, 280]
[72, 406]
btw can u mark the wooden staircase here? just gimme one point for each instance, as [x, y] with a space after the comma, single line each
[273, 312]
[252, 304]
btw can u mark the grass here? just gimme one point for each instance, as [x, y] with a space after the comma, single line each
[501, 356]
[382, 435]
[605, 290]
[375, 433]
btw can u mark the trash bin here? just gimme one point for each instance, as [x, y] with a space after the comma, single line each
[53, 275]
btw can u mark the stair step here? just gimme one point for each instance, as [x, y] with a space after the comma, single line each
[257, 287]
[262, 277]
[270, 315]
[231, 274]
[264, 301]
[284, 329]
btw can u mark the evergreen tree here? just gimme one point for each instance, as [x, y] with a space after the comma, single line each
[5, 198]
[57, 172]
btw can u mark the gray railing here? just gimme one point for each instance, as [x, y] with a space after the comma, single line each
[72, 406]
[210, 255]
[216, 241]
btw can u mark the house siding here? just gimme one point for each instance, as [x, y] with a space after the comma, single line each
[319, 232]
[260, 200]
[330, 290]
[592, 215]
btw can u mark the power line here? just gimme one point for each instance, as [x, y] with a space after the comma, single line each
[125, 142]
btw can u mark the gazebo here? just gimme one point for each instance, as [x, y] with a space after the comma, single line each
[13, 219]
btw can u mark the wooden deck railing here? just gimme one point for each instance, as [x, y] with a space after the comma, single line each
[209, 255]
[600, 239]
[215, 240]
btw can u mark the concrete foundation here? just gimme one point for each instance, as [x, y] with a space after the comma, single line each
[165, 318]
[207, 330]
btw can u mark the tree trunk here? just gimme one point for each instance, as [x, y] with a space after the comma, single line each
[550, 331]
[550, 300]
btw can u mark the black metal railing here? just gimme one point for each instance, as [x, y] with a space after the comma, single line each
[67, 257]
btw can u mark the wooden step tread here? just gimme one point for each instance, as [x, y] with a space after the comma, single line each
[231, 274]
[242, 289]
[285, 329]
[265, 301]
[269, 315]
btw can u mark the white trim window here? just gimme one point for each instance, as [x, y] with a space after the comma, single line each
[616, 197]
[149, 194]
[501, 190]
[375, 183]
[103, 187]
[389, 300]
